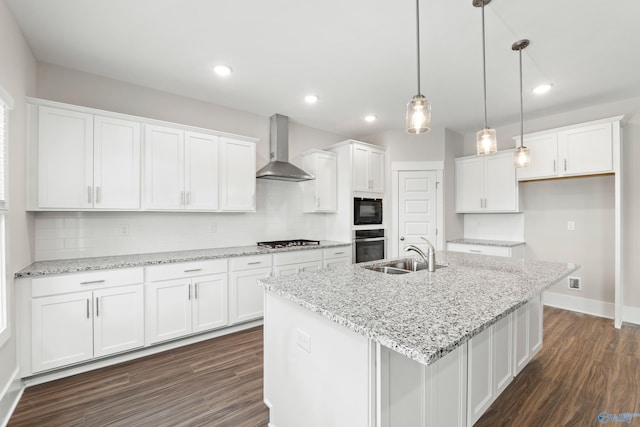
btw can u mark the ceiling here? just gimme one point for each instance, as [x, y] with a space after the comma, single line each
[358, 56]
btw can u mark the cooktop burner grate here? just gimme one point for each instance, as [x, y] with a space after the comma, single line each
[277, 244]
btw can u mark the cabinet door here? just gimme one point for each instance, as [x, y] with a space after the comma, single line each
[209, 300]
[168, 309]
[586, 150]
[376, 171]
[502, 355]
[500, 186]
[201, 171]
[116, 172]
[292, 269]
[238, 175]
[118, 319]
[65, 159]
[337, 262]
[521, 348]
[544, 157]
[246, 297]
[360, 168]
[62, 330]
[469, 184]
[480, 385]
[164, 168]
[326, 183]
[535, 325]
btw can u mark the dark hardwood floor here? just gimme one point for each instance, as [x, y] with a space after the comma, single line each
[585, 367]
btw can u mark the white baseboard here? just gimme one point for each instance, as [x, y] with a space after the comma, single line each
[10, 397]
[579, 304]
[631, 314]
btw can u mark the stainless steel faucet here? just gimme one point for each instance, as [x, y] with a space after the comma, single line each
[429, 258]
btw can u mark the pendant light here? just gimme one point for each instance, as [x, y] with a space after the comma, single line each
[522, 157]
[485, 138]
[419, 108]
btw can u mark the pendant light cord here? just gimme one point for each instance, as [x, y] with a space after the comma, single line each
[521, 103]
[418, 40]
[484, 70]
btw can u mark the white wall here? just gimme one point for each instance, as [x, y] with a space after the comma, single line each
[279, 204]
[453, 222]
[17, 77]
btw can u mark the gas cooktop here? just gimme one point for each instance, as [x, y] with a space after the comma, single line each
[277, 244]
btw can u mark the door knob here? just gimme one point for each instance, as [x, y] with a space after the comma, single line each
[402, 238]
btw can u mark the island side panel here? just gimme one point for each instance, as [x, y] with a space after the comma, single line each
[317, 373]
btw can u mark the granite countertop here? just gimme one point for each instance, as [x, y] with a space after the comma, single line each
[43, 268]
[501, 243]
[422, 315]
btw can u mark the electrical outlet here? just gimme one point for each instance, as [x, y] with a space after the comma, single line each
[571, 225]
[123, 230]
[304, 340]
[575, 283]
[213, 227]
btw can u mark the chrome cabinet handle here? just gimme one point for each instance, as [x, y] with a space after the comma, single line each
[87, 308]
[475, 250]
[92, 282]
[189, 292]
[89, 195]
[98, 194]
[565, 165]
[197, 286]
[188, 197]
[340, 253]
[193, 270]
[554, 167]
[181, 198]
[254, 263]
[97, 307]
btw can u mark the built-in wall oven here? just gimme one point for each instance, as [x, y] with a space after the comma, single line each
[368, 245]
[367, 211]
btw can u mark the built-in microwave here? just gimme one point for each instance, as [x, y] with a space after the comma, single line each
[367, 211]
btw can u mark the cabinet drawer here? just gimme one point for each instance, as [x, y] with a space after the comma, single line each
[344, 251]
[480, 249]
[85, 281]
[297, 257]
[185, 269]
[250, 262]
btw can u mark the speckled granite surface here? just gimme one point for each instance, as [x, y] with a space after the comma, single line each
[43, 268]
[422, 315]
[501, 243]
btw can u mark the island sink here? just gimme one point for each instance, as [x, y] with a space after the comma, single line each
[402, 266]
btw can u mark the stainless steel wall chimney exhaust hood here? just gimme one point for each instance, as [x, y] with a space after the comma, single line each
[279, 167]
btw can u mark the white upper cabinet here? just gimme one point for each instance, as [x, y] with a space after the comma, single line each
[163, 168]
[368, 169]
[238, 175]
[201, 171]
[87, 161]
[320, 194]
[486, 183]
[585, 149]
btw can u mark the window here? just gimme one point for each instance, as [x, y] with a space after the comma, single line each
[6, 103]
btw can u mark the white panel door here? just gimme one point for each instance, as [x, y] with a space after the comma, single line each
[201, 156]
[544, 157]
[586, 150]
[376, 170]
[168, 309]
[65, 159]
[417, 213]
[500, 188]
[480, 386]
[118, 319]
[164, 168]
[238, 178]
[469, 184]
[209, 300]
[361, 168]
[246, 296]
[116, 172]
[62, 330]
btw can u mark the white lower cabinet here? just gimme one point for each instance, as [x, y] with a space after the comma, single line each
[246, 297]
[195, 302]
[504, 251]
[291, 263]
[336, 257]
[527, 339]
[490, 355]
[71, 327]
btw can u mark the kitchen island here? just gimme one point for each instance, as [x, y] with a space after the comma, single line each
[357, 347]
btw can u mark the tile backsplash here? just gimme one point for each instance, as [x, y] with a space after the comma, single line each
[64, 235]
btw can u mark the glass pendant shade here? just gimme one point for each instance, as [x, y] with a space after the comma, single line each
[521, 157]
[486, 141]
[418, 115]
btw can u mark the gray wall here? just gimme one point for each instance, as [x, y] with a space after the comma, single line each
[17, 77]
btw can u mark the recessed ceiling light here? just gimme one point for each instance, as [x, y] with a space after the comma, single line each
[222, 70]
[311, 99]
[370, 118]
[539, 90]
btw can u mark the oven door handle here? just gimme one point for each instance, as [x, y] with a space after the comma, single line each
[371, 239]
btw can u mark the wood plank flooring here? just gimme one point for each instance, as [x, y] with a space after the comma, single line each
[585, 367]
